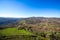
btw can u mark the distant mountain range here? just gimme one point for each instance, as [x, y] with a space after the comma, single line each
[9, 22]
[37, 21]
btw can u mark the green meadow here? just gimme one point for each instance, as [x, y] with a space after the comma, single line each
[14, 31]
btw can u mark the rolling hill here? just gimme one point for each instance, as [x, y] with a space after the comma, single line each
[32, 28]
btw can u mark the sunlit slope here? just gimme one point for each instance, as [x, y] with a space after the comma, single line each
[14, 31]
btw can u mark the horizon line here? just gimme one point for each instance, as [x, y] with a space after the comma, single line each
[30, 17]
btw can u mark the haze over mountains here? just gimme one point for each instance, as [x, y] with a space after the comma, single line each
[8, 22]
[13, 22]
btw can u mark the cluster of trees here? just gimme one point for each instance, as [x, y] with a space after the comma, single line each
[41, 24]
[42, 28]
[41, 36]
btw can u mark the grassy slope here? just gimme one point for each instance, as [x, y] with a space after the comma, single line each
[14, 31]
[11, 34]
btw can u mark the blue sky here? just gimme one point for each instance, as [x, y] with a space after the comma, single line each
[29, 8]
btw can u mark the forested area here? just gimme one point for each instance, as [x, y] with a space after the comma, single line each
[33, 28]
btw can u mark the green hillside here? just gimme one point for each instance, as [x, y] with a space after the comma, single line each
[32, 29]
[14, 31]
